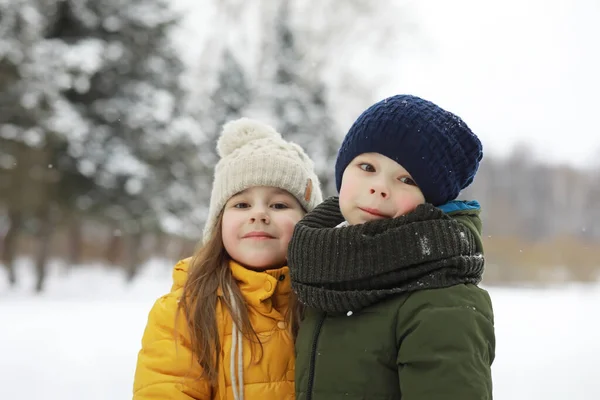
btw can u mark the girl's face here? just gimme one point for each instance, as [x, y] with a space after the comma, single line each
[257, 226]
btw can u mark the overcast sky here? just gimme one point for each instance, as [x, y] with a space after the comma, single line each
[515, 70]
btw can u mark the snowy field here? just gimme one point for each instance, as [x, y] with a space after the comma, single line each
[79, 340]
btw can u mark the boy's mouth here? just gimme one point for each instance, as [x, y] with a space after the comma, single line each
[373, 211]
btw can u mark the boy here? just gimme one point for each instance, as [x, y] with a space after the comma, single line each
[389, 271]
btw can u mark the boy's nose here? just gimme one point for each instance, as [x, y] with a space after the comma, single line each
[379, 191]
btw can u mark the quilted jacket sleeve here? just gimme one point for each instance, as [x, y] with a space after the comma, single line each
[165, 366]
[447, 344]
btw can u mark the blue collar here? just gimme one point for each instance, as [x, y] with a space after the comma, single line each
[460, 205]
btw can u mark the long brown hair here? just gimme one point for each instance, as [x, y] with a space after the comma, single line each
[208, 271]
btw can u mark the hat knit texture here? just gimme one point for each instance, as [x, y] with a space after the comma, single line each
[436, 147]
[254, 154]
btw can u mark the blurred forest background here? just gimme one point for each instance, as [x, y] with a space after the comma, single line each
[108, 132]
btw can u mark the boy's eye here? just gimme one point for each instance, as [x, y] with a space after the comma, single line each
[407, 180]
[241, 205]
[280, 206]
[366, 167]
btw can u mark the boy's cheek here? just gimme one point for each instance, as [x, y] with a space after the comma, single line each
[346, 205]
[349, 192]
[407, 205]
[345, 198]
[348, 188]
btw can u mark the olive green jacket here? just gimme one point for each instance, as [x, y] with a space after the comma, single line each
[425, 345]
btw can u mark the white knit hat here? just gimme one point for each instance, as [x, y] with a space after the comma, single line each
[254, 154]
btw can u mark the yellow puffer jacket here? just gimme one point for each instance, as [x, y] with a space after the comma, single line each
[168, 370]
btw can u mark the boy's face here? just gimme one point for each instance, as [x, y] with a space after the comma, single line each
[376, 187]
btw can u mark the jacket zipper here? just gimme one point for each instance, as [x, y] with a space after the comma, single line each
[313, 356]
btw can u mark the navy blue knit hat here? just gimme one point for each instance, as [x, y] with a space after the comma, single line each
[435, 146]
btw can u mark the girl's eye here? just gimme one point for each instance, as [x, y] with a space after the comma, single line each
[280, 206]
[241, 205]
[366, 167]
[407, 180]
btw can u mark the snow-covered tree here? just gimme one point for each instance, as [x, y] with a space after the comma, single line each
[229, 100]
[95, 86]
[299, 103]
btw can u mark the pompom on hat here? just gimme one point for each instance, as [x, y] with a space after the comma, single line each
[435, 146]
[254, 154]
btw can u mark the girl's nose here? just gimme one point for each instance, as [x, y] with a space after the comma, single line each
[260, 215]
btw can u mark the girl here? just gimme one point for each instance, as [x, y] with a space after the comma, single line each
[226, 330]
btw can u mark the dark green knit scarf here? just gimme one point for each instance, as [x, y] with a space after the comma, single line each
[347, 269]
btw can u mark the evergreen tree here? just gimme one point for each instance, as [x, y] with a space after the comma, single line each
[299, 103]
[93, 88]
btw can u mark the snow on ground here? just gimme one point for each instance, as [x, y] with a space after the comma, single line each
[79, 340]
